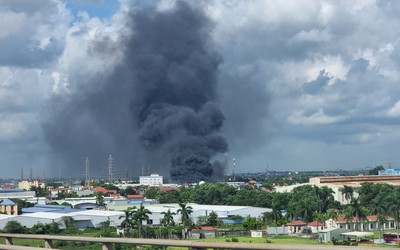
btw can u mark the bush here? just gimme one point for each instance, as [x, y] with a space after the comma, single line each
[14, 227]
[235, 240]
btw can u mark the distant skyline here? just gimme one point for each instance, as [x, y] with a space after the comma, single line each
[303, 84]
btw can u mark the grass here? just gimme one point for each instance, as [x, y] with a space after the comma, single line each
[276, 240]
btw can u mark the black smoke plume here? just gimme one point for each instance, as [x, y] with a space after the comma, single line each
[159, 103]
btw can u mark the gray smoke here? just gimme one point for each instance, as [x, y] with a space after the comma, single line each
[158, 104]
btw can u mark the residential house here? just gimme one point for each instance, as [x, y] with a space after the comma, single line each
[370, 223]
[296, 226]
[315, 226]
[8, 207]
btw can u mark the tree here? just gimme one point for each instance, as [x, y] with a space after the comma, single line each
[22, 204]
[251, 223]
[348, 193]
[39, 228]
[100, 199]
[212, 219]
[275, 215]
[128, 222]
[53, 228]
[375, 170]
[14, 227]
[151, 192]
[320, 217]
[68, 221]
[332, 214]
[381, 211]
[168, 219]
[357, 210]
[141, 214]
[185, 212]
[394, 210]
[69, 224]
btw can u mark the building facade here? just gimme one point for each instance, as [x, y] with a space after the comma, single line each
[152, 180]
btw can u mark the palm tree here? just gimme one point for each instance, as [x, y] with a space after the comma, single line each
[348, 215]
[168, 220]
[276, 215]
[305, 209]
[381, 211]
[141, 214]
[128, 222]
[348, 193]
[332, 213]
[185, 211]
[320, 217]
[357, 211]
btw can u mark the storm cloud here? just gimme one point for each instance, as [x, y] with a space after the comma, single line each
[159, 102]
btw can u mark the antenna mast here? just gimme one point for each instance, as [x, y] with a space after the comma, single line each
[87, 169]
[110, 169]
[233, 170]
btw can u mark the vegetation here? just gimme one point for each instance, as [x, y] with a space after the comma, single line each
[185, 211]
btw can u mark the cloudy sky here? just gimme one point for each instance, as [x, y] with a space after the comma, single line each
[303, 85]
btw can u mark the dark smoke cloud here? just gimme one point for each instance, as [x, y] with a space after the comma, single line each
[158, 105]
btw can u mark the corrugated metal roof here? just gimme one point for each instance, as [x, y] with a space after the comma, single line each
[47, 215]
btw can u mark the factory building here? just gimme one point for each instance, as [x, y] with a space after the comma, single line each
[91, 218]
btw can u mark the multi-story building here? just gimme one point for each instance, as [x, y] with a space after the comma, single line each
[28, 184]
[152, 180]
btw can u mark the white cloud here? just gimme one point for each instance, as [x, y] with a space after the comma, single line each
[279, 46]
[395, 110]
[317, 118]
[313, 35]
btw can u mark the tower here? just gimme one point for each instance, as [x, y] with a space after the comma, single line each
[87, 169]
[22, 174]
[226, 164]
[31, 174]
[110, 169]
[233, 170]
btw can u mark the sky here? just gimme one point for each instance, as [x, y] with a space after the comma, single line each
[302, 84]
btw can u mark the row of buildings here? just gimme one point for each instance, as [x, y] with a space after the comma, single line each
[84, 218]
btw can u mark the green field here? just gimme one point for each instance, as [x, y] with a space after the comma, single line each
[277, 240]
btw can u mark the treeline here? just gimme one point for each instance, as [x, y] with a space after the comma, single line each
[305, 202]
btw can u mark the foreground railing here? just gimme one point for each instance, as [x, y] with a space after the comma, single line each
[108, 243]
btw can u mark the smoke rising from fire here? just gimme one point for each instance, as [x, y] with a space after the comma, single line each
[160, 99]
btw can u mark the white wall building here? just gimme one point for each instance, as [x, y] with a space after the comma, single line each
[152, 180]
[204, 210]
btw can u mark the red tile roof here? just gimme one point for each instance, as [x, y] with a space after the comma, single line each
[168, 188]
[315, 224]
[355, 219]
[297, 223]
[135, 196]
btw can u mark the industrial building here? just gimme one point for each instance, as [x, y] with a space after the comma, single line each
[91, 218]
[223, 212]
